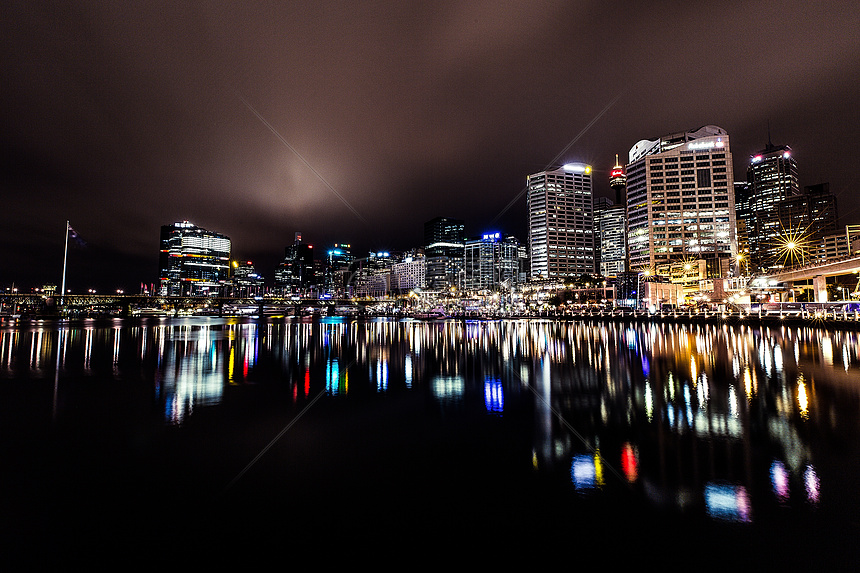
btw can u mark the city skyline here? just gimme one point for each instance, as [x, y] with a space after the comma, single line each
[361, 125]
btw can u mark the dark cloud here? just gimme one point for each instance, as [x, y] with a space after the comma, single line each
[125, 116]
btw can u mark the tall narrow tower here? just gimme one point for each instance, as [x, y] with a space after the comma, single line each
[618, 182]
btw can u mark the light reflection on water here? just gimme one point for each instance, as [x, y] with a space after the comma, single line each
[686, 415]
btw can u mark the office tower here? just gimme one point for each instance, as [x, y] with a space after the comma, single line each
[337, 269]
[296, 272]
[561, 233]
[193, 261]
[806, 220]
[599, 206]
[491, 263]
[246, 281]
[680, 204]
[443, 249]
[772, 176]
[610, 235]
[743, 224]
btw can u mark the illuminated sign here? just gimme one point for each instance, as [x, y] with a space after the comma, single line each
[578, 168]
[705, 144]
[492, 236]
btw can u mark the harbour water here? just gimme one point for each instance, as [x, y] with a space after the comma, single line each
[466, 442]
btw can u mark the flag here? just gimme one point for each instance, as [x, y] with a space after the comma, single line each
[75, 236]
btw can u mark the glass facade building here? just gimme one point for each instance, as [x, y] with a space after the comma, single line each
[772, 178]
[193, 261]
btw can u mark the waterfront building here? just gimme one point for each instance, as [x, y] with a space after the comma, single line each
[444, 240]
[772, 176]
[371, 276]
[491, 263]
[245, 280]
[193, 261]
[561, 223]
[680, 205]
[409, 273]
[805, 220]
[296, 272]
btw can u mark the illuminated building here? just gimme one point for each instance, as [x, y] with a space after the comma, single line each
[561, 224]
[772, 176]
[743, 223]
[296, 272]
[491, 262]
[408, 274]
[811, 216]
[680, 204]
[245, 280]
[337, 268]
[371, 276]
[193, 261]
[443, 248]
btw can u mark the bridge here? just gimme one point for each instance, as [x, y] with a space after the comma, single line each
[818, 273]
[126, 305]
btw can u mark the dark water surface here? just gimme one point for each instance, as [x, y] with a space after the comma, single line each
[188, 442]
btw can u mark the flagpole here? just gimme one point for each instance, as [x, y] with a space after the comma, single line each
[65, 258]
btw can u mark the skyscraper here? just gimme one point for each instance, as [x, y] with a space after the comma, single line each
[680, 202]
[772, 177]
[610, 237]
[491, 262]
[561, 233]
[443, 250]
[193, 261]
[296, 272]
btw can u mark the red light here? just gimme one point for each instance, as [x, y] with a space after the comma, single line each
[628, 463]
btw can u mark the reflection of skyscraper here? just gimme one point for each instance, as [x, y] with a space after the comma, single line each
[193, 261]
[679, 203]
[561, 234]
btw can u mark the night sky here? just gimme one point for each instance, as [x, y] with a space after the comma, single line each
[358, 121]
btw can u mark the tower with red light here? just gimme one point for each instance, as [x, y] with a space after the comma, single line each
[618, 182]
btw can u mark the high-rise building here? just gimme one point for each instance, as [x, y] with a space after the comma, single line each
[680, 202]
[561, 225]
[805, 220]
[772, 177]
[193, 261]
[743, 224]
[443, 250]
[246, 281]
[296, 272]
[337, 268]
[491, 262]
[610, 227]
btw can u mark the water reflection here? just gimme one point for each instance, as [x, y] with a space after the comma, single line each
[724, 419]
